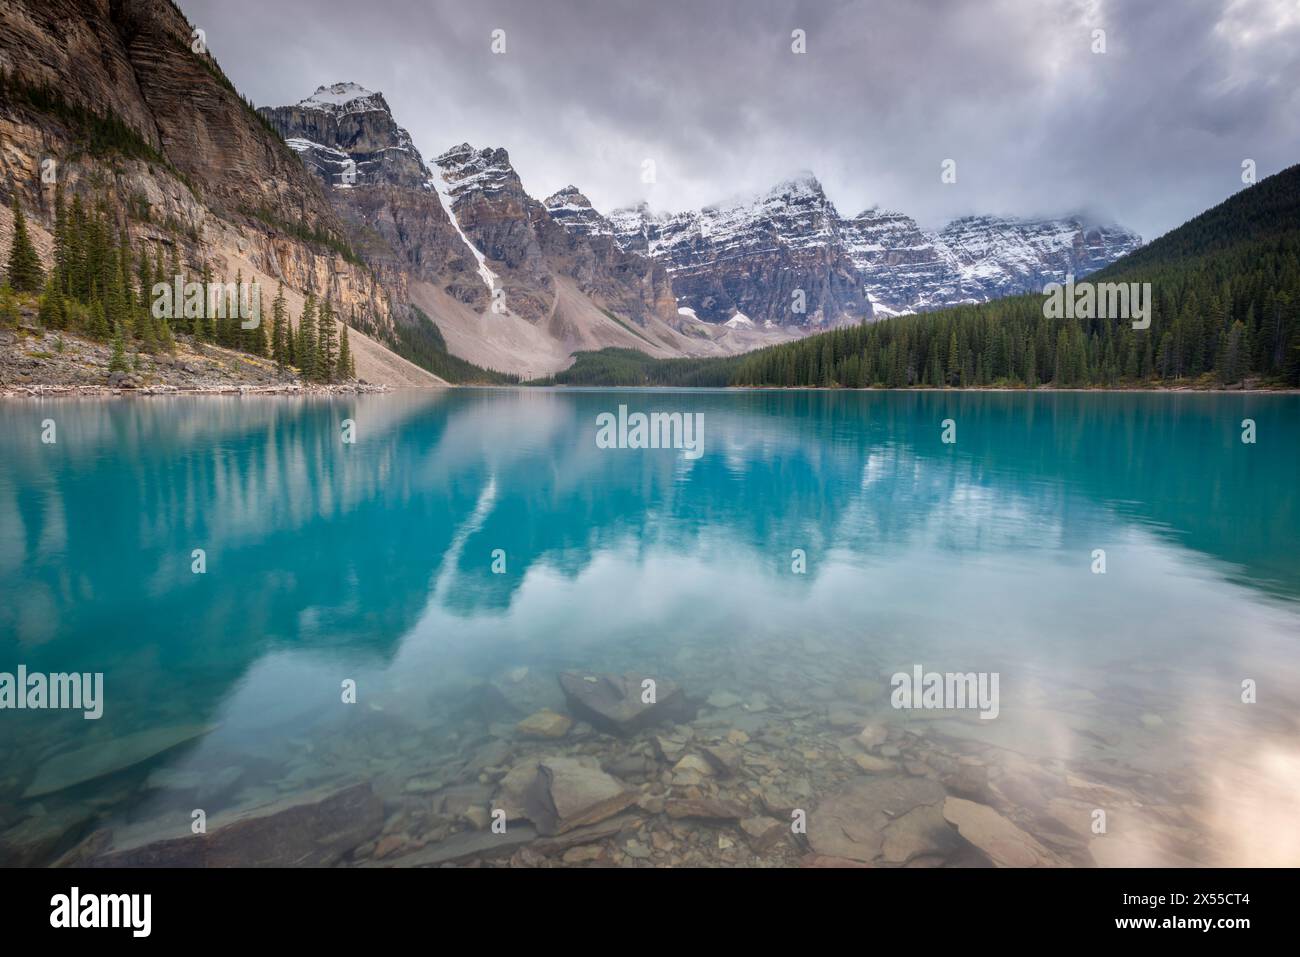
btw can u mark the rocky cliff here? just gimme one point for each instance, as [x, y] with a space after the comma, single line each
[777, 259]
[378, 183]
[975, 258]
[743, 262]
[121, 100]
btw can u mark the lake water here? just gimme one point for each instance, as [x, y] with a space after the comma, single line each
[373, 562]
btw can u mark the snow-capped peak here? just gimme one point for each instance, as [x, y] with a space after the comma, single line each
[337, 96]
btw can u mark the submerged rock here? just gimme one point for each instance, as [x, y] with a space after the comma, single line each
[614, 703]
[763, 832]
[545, 724]
[707, 809]
[313, 829]
[921, 832]
[1005, 844]
[31, 842]
[567, 793]
[108, 757]
[853, 823]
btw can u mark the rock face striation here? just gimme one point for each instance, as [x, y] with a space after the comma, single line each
[777, 259]
[379, 184]
[741, 262]
[200, 171]
[975, 258]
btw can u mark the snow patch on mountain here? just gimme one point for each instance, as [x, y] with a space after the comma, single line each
[438, 182]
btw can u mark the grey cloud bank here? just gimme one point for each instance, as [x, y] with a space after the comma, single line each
[1148, 133]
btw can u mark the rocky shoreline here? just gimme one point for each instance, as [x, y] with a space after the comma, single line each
[38, 363]
[101, 391]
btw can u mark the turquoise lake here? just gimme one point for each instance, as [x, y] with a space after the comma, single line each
[373, 562]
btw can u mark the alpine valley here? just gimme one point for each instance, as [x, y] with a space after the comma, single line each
[445, 270]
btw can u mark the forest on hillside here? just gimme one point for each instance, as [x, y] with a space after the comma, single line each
[1225, 309]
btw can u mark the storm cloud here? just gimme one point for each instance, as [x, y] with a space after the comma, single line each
[1148, 133]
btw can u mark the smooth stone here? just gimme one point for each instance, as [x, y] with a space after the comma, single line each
[873, 765]
[30, 842]
[545, 724]
[851, 823]
[313, 829]
[784, 796]
[724, 757]
[671, 746]
[763, 832]
[613, 703]
[872, 737]
[846, 718]
[108, 757]
[1005, 844]
[693, 764]
[478, 817]
[567, 794]
[920, 832]
[723, 699]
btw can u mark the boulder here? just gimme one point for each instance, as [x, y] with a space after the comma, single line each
[312, 829]
[1005, 844]
[852, 823]
[568, 793]
[108, 757]
[613, 703]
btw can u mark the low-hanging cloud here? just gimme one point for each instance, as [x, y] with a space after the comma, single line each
[1148, 133]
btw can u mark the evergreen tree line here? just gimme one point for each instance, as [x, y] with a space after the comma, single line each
[1216, 320]
[1225, 306]
[100, 287]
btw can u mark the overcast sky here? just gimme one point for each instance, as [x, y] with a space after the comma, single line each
[1148, 133]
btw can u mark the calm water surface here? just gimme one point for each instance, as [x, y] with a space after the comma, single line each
[372, 561]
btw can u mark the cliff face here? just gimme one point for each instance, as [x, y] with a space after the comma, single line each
[743, 261]
[774, 260]
[974, 258]
[192, 166]
[378, 184]
[630, 281]
[530, 244]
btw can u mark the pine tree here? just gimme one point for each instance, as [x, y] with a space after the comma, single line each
[60, 271]
[345, 368]
[279, 334]
[51, 314]
[325, 333]
[306, 344]
[117, 361]
[24, 273]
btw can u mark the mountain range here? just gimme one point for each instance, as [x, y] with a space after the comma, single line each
[721, 279]
[453, 257]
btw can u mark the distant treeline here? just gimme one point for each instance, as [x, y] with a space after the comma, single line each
[1225, 291]
[420, 341]
[628, 367]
